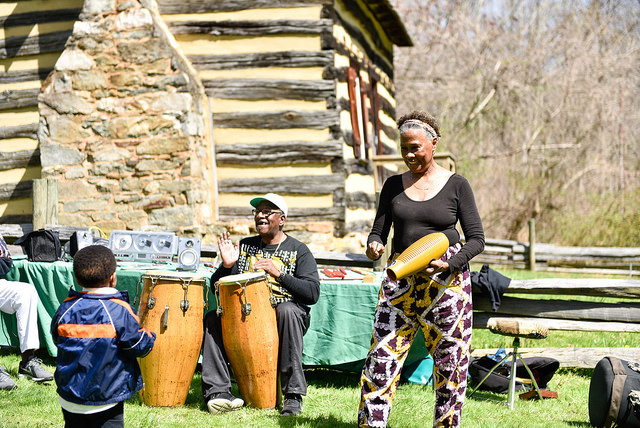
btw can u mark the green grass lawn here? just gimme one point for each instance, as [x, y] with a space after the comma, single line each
[332, 401]
[333, 396]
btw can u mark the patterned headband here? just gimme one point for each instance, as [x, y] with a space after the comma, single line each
[424, 125]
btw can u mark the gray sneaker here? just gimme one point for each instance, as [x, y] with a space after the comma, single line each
[223, 402]
[34, 371]
[6, 383]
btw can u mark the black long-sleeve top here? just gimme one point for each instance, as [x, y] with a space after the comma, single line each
[414, 219]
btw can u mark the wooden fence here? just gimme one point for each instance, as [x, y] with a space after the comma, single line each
[515, 254]
[529, 300]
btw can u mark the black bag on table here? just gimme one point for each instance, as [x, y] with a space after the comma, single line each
[41, 245]
[542, 368]
[614, 394]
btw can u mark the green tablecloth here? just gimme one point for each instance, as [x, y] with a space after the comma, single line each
[339, 334]
[341, 328]
[53, 281]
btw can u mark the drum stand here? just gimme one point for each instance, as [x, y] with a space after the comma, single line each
[517, 328]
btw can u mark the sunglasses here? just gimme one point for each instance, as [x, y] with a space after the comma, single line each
[266, 212]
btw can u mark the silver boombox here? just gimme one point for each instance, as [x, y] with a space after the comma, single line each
[143, 246]
[140, 246]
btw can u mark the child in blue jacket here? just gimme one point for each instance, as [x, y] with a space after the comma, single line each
[99, 337]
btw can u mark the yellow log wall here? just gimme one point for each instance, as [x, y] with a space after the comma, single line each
[193, 44]
[15, 59]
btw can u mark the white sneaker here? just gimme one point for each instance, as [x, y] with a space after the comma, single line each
[222, 402]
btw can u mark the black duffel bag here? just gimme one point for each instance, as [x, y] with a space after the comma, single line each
[614, 394]
[542, 368]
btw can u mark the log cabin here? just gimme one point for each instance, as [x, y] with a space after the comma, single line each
[173, 114]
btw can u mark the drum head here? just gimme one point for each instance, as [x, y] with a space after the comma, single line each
[242, 278]
[172, 275]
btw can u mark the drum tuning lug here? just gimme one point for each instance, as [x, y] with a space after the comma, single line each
[184, 305]
[166, 316]
[246, 308]
[220, 311]
[151, 302]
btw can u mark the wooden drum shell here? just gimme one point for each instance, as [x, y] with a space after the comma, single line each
[250, 341]
[168, 369]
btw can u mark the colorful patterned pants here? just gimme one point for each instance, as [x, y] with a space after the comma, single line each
[442, 307]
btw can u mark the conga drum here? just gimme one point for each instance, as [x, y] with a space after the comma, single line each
[250, 336]
[172, 306]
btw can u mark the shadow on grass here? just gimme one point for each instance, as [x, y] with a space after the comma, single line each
[331, 378]
[40, 353]
[481, 395]
[329, 422]
[584, 373]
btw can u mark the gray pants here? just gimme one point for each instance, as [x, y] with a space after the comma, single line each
[292, 320]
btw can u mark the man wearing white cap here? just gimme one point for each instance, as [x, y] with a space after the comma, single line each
[294, 282]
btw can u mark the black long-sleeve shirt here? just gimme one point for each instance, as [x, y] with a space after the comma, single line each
[414, 219]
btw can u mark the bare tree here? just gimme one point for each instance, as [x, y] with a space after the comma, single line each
[539, 100]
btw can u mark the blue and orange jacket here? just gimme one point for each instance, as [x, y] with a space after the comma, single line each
[98, 338]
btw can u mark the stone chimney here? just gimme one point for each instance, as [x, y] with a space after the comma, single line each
[124, 124]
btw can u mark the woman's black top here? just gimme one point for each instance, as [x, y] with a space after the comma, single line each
[414, 219]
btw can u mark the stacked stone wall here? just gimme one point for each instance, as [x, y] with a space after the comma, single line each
[123, 126]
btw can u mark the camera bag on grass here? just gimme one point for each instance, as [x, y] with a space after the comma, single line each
[542, 368]
[614, 394]
[41, 245]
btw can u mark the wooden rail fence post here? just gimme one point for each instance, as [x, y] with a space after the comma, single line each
[532, 244]
[45, 202]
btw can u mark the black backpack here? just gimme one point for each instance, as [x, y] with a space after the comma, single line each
[614, 394]
[542, 368]
[41, 246]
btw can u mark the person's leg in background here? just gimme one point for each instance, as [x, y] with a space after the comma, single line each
[21, 298]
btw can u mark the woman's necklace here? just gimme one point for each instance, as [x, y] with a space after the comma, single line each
[419, 188]
[424, 174]
[284, 236]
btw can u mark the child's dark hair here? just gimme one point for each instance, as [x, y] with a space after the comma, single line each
[93, 266]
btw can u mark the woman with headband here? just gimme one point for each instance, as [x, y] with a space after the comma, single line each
[425, 199]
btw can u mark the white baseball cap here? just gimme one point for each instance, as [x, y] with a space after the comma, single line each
[276, 200]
